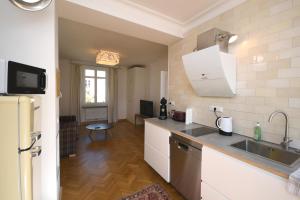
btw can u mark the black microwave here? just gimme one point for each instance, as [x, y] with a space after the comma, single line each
[18, 78]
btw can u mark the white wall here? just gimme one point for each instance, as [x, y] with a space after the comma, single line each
[144, 83]
[136, 84]
[30, 38]
[122, 93]
[153, 83]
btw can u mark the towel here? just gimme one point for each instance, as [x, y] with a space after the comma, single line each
[294, 183]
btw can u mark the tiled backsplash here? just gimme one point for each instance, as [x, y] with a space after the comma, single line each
[268, 68]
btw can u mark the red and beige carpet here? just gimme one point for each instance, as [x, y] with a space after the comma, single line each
[152, 192]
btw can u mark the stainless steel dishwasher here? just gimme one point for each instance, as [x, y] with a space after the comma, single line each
[185, 167]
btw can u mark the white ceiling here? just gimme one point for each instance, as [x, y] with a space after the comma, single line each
[92, 13]
[181, 11]
[80, 42]
[161, 21]
[138, 29]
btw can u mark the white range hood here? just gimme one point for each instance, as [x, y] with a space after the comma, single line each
[211, 72]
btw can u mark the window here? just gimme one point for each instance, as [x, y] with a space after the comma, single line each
[95, 85]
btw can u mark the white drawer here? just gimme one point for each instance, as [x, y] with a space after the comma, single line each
[159, 162]
[208, 193]
[158, 138]
[238, 180]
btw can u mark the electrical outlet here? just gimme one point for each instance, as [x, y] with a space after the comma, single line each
[218, 108]
[172, 103]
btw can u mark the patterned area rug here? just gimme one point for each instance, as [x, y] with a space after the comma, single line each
[152, 192]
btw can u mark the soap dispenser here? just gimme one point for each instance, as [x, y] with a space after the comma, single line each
[257, 132]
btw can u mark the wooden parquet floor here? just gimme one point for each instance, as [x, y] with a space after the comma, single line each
[109, 169]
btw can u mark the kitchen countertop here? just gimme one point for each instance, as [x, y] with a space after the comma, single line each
[222, 143]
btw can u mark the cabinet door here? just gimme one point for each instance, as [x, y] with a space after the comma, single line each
[158, 138]
[208, 193]
[238, 180]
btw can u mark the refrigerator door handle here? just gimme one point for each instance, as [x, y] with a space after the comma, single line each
[28, 148]
[36, 151]
[36, 135]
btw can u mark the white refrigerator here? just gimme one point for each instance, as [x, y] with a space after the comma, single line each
[18, 147]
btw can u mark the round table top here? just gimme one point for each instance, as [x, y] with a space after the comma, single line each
[95, 127]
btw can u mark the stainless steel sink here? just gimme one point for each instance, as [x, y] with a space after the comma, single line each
[268, 151]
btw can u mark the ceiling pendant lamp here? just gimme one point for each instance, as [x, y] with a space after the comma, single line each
[107, 58]
[31, 5]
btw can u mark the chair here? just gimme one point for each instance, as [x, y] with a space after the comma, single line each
[68, 135]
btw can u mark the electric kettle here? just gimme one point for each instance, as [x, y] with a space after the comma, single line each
[225, 125]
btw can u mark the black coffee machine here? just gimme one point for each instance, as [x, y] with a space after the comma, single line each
[163, 109]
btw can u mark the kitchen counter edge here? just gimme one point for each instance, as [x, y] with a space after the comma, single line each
[238, 155]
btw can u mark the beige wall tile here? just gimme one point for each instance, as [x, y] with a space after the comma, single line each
[294, 132]
[278, 102]
[293, 32]
[288, 92]
[263, 109]
[279, 45]
[289, 53]
[296, 21]
[241, 84]
[294, 102]
[275, 138]
[295, 62]
[265, 92]
[256, 84]
[245, 76]
[296, 41]
[246, 92]
[259, 67]
[297, 2]
[295, 82]
[281, 63]
[282, 6]
[267, 75]
[278, 83]
[268, 29]
[289, 73]
[255, 100]
[294, 123]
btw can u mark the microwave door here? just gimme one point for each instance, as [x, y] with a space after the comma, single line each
[24, 79]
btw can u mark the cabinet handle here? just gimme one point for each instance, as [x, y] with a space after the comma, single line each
[36, 135]
[182, 146]
[36, 151]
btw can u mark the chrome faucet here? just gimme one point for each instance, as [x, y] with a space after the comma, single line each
[286, 139]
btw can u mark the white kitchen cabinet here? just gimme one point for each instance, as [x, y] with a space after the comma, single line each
[209, 193]
[157, 150]
[238, 180]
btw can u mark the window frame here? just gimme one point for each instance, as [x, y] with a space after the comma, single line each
[82, 83]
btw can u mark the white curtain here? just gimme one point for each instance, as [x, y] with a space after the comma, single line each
[112, 95]
[70, 89]
[75, 91]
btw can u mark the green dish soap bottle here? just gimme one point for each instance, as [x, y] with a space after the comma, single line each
[257, 132]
